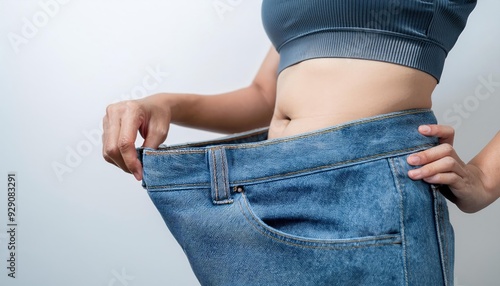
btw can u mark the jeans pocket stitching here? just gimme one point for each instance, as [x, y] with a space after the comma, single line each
[398, 170]
[304, 242]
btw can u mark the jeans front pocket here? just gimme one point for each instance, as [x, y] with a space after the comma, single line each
[227, 245]
[349, 206]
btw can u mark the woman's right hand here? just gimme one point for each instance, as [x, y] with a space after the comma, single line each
[150, 116]
[235, 111]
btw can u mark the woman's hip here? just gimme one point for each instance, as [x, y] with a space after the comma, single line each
[330, 207]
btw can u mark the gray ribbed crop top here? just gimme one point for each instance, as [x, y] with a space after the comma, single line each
[414, 33]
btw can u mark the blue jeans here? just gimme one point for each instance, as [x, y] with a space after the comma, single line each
[329, 207]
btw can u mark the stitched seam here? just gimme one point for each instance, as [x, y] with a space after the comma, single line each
[326, 245]
[363, 30]
[399, 187]
[438, 231]
[224, 171]
[347, 163]
[174, 152]
[332, 129]
[332, 166]
[281, 140]
[198, 186]
[264, 230]
[447, 245]
[214, 161]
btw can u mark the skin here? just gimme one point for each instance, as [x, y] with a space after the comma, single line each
[310, 95]
[474, 185]
[322, 92]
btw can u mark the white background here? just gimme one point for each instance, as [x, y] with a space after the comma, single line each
[82, 221]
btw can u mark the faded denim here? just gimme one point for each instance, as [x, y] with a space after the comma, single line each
[329, 207]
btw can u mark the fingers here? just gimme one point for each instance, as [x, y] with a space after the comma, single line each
[450, 178]
[156, 133]
[445, 133]
[438, 168]
[110, 130]
[126, 143]
[432, 154]
[120, 125]
[440, 164]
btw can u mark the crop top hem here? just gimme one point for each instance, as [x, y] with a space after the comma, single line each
[413, 52]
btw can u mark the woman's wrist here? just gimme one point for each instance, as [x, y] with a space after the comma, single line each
[176, 105]
[488, 165]
[474, 196]
[488, 189]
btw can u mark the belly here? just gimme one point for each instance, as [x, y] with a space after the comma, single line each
[319, 93]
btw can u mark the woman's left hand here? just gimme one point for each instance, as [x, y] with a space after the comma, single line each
[441, 165]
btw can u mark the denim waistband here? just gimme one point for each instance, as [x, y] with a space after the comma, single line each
[249, 157]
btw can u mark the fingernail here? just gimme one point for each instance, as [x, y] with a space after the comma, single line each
[415, 174]
[414, 160]
[425, 129]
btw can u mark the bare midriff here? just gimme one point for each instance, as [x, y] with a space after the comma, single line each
[319, 93]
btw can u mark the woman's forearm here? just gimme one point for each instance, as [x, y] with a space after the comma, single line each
[236, 111]
[488, 161]
[240, 110]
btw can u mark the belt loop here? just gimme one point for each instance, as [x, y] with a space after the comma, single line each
[221, 194]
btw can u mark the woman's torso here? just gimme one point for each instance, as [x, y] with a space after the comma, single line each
[322, 92]
[345, 60]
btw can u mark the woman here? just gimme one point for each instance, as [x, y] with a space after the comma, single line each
[327, 195]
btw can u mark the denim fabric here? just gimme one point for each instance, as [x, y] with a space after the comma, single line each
[329, 207]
